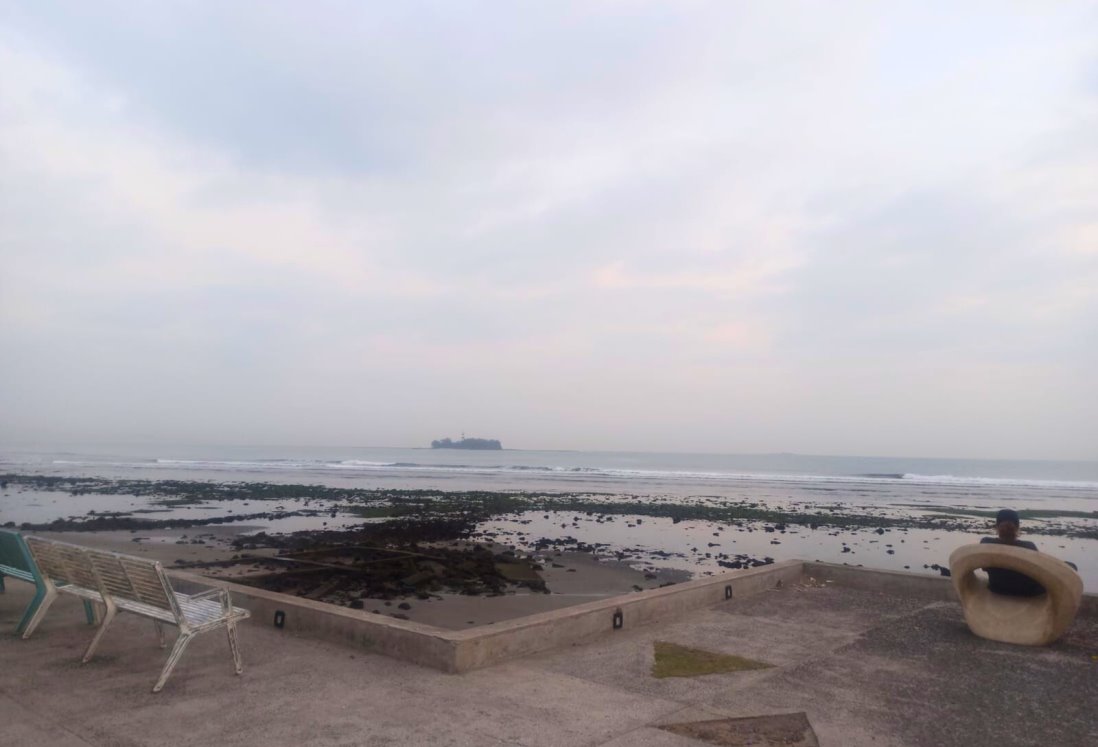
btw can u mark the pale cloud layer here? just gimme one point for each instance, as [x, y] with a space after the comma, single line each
[854, 228]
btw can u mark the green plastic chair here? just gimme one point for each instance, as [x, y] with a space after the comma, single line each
[16, 561]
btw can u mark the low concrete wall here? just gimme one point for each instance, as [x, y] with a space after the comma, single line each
[935, 588]
[938, 588]
[464, 650]
[510, 639]
[401, 639]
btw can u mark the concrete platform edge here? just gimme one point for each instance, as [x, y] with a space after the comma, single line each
[464, 650]
[458, 651]
[513, 639]
[906, 583]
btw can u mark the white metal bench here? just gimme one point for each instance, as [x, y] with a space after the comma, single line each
[130, 584]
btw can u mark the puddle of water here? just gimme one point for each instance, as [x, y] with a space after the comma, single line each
[696, 546]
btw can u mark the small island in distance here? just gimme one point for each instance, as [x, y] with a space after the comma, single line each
[479, 444]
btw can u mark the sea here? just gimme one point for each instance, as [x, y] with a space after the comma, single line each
[870, 485]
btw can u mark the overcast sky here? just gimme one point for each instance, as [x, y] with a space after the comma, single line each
[836, 228]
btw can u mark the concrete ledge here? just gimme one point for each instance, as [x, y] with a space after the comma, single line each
[491, 644]
[934, 588]
[907, 584]
[485, 645]
[401, 639]
[464, 650]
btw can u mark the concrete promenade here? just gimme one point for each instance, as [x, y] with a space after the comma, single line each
[867, 668]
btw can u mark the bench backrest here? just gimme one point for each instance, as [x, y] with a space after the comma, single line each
[15, 560]
[60, 561]
[122, 577]
[133, 579]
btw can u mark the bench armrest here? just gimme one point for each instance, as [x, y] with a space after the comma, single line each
[222, 595]
[208, 594]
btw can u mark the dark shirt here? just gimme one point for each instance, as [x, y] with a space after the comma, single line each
[1006, 581]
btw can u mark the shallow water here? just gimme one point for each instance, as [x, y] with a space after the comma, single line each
[644, 541]
[695, 545]
[863, 486]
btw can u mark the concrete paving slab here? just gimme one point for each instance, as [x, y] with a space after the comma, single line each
[838, 608]
[651, 737]
[295, 691]
[867, 669]
[927, 680]
[755, 628]
[771, 730]
[20, 726]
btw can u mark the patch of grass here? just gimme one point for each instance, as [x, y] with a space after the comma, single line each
[673, 660]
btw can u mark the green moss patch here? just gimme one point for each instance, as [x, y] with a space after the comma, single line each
[673, 660]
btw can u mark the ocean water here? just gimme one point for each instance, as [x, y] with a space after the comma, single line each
[775, 479]
[540, 467]
[863, 485]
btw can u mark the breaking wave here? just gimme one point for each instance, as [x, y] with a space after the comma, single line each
[574, 473]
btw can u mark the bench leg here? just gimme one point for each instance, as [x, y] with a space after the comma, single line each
[173, 659]
[160, 633]
[234, 646]
[2, 583]
[94, 611]
[39, 595]
[108, 617]
[43, 605]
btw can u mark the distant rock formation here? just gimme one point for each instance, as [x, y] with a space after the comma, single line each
[479, 444]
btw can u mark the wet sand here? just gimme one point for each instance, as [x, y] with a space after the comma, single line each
[607, 544]
[571, 577]
[582, 578]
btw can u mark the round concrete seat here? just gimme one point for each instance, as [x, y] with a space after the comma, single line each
[1029, 621]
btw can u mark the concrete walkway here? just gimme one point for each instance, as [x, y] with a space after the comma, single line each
[866, 668]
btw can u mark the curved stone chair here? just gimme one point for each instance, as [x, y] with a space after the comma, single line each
[1029, 621]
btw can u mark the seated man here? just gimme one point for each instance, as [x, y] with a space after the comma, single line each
[1004, 580]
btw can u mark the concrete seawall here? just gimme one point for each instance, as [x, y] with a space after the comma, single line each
[401, 639]
[483, 646]
[491, 644]
[908, 584]
[464, 650]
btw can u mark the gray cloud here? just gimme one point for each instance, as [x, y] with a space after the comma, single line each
[598, 225]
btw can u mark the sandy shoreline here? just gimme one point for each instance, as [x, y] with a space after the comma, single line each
[579, 547]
